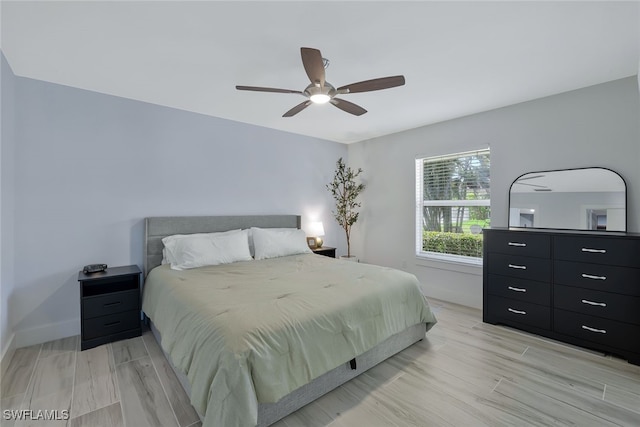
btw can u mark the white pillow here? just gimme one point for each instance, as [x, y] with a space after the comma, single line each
[197, 250]
[170, 242]
[252, 248]
[277, 242]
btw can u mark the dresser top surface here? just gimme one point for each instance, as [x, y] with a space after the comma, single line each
[594, 233]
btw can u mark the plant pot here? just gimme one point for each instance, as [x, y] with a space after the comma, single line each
[351, 258]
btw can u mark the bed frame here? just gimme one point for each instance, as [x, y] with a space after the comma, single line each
[157, 228]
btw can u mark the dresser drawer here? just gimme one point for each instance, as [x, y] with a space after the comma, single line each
[518, 243]
[598, 330]
[598, 250]
[111, 324]
[622, 280]
[537, 269]
[510, 310]
[595, 303]
[110, 303]
[520, 289]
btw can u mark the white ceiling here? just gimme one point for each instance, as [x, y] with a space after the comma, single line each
[458, 58]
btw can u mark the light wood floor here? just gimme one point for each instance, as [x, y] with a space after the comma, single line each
[465, 373]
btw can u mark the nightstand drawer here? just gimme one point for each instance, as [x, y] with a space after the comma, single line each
[598, 250]
[111, 324]
[537, 269]
[602, 331]
[622, 280]
[519, 243]
[511, 310]
[623, 308]
[520, 289]
[110, 303]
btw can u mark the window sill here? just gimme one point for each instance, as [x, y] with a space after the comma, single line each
[452, 263]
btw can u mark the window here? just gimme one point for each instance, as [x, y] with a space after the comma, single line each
[452, 206]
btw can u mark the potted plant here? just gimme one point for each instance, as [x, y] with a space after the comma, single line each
[345, 191]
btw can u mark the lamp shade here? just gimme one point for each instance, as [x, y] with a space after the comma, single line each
[315, 229]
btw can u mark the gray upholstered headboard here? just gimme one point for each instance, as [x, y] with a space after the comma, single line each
[155, 228]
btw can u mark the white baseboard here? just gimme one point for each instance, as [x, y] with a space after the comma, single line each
[7, 354]
[48, 332]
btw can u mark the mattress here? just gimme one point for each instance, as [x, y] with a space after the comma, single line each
[254, 331]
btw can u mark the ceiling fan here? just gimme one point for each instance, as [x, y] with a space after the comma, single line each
[320, 91]
[540, 187]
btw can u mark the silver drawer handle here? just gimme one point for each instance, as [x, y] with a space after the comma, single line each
[600, 331]
[516, 311]
[520, 245]
[591, 276]
[594, 251]
[520, 267]
[601, 304]
[516, 289]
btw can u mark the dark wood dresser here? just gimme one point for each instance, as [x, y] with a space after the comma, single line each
[582, 288]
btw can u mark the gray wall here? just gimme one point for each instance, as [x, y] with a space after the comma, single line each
[89, 167]
[594, 126]
[7, 146]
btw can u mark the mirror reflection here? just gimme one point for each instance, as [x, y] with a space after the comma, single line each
[576, 199]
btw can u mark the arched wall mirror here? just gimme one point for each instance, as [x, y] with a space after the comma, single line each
[574, 199]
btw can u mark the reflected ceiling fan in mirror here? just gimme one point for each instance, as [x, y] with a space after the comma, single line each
[320, 91]
[539, 187]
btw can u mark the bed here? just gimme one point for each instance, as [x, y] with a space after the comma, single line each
[255, 340]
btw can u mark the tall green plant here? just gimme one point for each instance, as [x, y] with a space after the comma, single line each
[345, 191]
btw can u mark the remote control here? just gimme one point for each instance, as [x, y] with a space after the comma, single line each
[94, 268]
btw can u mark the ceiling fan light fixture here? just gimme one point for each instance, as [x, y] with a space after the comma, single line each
[320, 98]
[320, 94]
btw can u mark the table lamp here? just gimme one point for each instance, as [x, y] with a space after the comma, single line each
[316, 230]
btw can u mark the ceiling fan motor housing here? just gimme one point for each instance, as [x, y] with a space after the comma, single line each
[314, 89]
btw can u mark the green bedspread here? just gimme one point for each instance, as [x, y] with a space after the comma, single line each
[255, 331]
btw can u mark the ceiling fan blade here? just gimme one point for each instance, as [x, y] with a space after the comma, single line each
[374, 84]
[530, 177]
[531, 185]
[295, 110]
[313, 65]
[347, 106]
[267, 89]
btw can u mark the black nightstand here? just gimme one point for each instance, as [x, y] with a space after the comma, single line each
[326, 251]
[109, 305]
